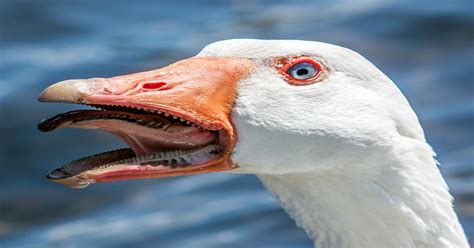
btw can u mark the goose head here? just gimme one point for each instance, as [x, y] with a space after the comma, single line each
[249, 106]
[311, 106]
[318, 123]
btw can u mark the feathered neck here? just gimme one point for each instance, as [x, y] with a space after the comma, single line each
[402, 202]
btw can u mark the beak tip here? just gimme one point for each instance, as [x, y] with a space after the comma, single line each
[43, 97]
[57, 174]
[64, 91]
[63, 177]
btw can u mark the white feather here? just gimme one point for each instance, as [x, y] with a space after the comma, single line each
[346, 157]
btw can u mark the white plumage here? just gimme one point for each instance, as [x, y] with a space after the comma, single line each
[346, 157]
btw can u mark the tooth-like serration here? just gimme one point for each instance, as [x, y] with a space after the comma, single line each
[183, 157]
[162, 113]
[124, 152]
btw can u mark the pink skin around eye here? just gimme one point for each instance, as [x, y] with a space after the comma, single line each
[284, 64]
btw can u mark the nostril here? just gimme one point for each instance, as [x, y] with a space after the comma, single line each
[153, 85]
[156, 85]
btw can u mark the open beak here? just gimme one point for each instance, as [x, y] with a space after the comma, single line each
[176, 120]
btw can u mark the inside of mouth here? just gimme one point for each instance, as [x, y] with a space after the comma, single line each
[157, 141]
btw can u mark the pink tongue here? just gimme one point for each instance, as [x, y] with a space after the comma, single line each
[144, 140]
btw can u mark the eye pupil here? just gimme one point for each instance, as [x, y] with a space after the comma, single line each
[302, 72]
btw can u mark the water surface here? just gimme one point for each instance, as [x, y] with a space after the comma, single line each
[426, 47]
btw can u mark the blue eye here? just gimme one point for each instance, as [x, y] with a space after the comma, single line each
[302, 71]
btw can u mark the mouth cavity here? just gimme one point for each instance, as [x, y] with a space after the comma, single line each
[161, 144]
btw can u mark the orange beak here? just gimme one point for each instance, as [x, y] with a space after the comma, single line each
[176, 119]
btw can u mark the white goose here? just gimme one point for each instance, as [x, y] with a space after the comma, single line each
[327, 133]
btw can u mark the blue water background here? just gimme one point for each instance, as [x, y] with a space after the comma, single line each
[426, 47]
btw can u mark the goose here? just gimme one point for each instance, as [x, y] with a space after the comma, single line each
[329, 134]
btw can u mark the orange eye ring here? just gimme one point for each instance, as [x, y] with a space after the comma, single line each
[286, 67]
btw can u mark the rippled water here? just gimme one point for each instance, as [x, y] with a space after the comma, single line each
[426, 47]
